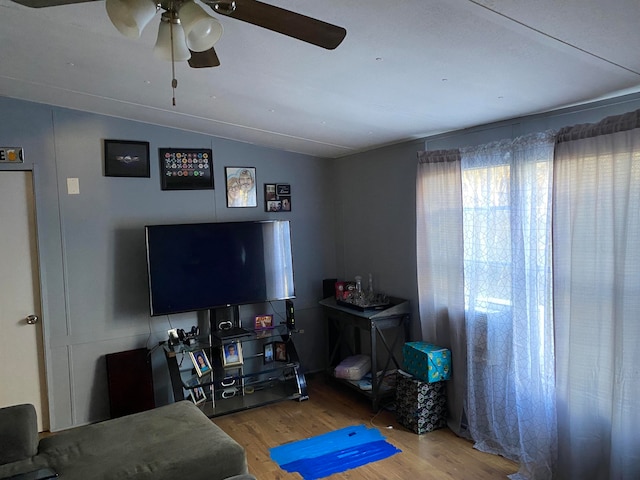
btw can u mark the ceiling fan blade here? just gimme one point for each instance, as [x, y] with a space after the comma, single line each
[48, 3]
[205, 59]
[283, 21]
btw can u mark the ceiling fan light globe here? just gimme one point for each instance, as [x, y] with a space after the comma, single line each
[162, 48]
[204, 35]
[202, 31]
[130, 16]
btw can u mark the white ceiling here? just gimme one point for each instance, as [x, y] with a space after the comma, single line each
[406, 69]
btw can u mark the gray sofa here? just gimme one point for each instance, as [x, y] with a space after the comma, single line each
[174, 441]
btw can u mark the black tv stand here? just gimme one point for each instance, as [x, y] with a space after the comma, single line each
[231, 388]
[226, 324]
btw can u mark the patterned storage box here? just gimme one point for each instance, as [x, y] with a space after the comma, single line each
[420, 406]
[426, 361]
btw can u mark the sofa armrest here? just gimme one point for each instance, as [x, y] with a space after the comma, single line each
[18, 433]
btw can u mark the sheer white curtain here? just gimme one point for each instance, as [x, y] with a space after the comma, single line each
[597, 299]
[508, 299]
[440, 264]
[484, 248]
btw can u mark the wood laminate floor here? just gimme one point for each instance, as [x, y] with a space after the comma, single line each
[438, 455]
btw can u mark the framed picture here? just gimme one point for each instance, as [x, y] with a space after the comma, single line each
[267, 349]
[200, 362]
[186, 168]
[197, 395]
[241, 187]
[277, 197]
[263, 322]
[124, 158]
[232, 354]
[280, 353]
[270, 191]
[283, 189]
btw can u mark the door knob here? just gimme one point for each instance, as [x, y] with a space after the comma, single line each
[32, 319]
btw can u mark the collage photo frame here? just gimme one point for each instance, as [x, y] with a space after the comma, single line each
[277, 197]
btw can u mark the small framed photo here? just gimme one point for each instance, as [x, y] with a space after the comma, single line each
[200, 362]
[197, 395]
[263, 322]
[283, 189]
[270, 192]
[124, 158]
[280, 351]
[232, 354]
[277, 197]
[267, 349]
[273, 206]
[241, 187]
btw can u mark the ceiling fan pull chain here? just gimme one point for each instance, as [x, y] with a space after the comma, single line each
[174, 81]
[174, 85]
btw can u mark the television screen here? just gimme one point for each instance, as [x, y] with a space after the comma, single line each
[200, 266]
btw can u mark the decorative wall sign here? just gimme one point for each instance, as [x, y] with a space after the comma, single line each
[124, 158]
[241, 187]
[277, 197]
[186, 168]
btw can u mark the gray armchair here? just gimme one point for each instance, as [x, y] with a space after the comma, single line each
[174, 441]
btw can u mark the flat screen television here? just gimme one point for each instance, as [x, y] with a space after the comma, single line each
[201, 266]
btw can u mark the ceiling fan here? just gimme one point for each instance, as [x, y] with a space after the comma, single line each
[187, 32]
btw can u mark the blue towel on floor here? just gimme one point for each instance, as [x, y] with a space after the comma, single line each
[337, 451]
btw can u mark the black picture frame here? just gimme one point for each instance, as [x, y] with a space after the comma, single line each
[126, 158]
[268, 353]
[186, 168]
[277, 197]
[280, 351]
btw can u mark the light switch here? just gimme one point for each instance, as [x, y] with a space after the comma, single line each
[73, 186]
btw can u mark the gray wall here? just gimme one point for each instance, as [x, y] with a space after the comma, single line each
[91, 246]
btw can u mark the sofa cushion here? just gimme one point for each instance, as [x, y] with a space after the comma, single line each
[174, 441]
[18, 433]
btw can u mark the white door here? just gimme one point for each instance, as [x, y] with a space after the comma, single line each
[22, 378]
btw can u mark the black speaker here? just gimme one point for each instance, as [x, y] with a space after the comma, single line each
[329, 287]
[291, 320]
